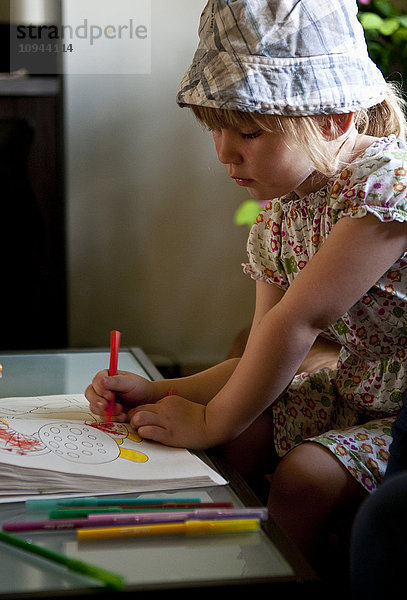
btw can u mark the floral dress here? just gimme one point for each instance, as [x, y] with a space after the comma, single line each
[350, 409]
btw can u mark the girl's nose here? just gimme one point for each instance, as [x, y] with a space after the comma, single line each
[226, 146]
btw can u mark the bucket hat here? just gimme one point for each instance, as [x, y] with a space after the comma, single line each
[286, 57]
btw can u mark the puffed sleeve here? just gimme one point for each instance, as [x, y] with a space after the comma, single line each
[375, 184]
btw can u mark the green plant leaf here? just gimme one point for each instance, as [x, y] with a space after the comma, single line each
[400, 36]
[246, 213]
[389, 26]
[370, 20]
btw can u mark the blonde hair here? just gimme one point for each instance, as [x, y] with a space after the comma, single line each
[380, 120]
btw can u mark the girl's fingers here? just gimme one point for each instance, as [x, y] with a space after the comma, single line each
[144, 416]
[98, 384]
[148, 424]
[154, 433]
[126, 389]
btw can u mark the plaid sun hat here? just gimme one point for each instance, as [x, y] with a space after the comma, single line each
[286, 57]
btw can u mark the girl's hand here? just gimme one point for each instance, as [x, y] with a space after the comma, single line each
[173, 421]
[129, 390]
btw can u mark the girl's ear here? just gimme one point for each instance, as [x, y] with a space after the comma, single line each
[336, 125]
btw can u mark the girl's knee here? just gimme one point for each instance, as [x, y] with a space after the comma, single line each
[296, 475]
[310, 472]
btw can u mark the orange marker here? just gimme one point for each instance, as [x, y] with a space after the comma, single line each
[114, 357]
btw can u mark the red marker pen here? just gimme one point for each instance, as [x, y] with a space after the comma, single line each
[114, 357]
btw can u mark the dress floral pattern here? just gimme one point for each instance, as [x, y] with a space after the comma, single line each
[350, 409]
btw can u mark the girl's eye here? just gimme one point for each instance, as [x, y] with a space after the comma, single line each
[252, 135]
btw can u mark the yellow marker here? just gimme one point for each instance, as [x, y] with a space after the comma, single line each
[192, 527]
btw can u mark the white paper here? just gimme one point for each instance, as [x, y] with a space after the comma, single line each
[54, 444]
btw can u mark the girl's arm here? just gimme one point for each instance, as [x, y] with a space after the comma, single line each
[353, 258]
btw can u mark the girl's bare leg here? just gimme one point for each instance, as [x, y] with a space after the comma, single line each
[311, 492]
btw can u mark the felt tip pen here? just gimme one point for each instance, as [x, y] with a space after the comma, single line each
[78, 512]
[190, 528]
[47, 524]
[75, 513]
[178, 516]
[114, 357]
[108, 578]
[38, 504]
[106, 520]
[153, 506]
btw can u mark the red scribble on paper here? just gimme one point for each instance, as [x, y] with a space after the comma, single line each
[110, 428]
[18, 443]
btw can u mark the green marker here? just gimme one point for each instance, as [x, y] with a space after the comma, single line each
[81, 513]
[111, 580]
[45, 504]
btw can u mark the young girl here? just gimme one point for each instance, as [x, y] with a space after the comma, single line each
[302, 118]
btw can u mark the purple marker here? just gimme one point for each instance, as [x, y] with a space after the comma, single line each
[178, 516]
